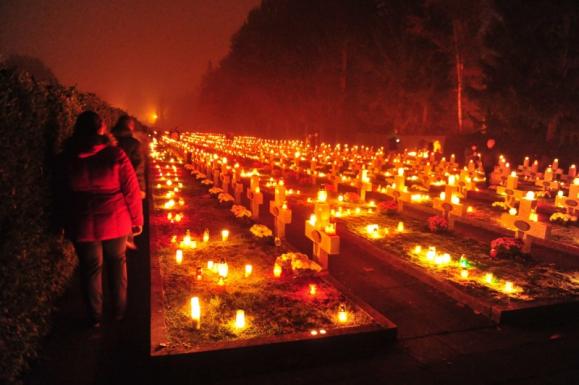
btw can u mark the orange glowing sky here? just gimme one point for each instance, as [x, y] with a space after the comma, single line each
[134, 54]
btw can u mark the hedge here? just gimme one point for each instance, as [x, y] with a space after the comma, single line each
[36, 263]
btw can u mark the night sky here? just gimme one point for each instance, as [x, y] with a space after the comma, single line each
[134, 54]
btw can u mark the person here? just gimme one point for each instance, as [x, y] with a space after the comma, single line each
[489, 159]
[99, 198]
[123, 132]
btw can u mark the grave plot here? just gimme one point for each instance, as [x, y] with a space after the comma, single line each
[499, 283]
[219, 282]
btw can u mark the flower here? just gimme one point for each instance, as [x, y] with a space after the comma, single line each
[207, 182]
[563, 218]
[215, 190]
[240, 211]
[200, 175]
[499, 205]
[297, 261]
[506, 247]
[388, 207]
[351, 197]
[224, 197]
[261, 231]
[437, 224]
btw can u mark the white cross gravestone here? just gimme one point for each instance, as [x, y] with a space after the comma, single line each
[569, 203]
[238, 191]
[254, 195]
[364, 184]
[321, 232]
[225, 182]
[398, 190]
[525, 227]
[278, 208]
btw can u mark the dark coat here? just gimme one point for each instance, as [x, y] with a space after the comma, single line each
[99, 193]
[134, 151]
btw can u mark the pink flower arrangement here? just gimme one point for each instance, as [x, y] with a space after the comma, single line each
[506, 247]
[437, 224]
[389, 207]
[351, 197]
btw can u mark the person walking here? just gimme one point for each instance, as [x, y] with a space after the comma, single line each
[99, 199]
[489, 160]
[123, 133]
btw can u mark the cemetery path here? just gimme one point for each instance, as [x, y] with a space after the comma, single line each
[440, 342]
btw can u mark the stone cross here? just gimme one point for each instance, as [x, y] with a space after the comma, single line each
[364, 184]
[325, 242]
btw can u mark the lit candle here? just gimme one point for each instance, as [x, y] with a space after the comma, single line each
[210, 265]
[526, 162]
[512, 180]
[179, 256]
[206, 235]
[508, 287]
[223, 269]
[196, 312]
[322, 196]
[277, 270]
[313, 289]
[248, 270]
[224, 235]
[400, 227]
[342, 314]
[240, 319]
[489, 278]
[572, 171]
[464, 273]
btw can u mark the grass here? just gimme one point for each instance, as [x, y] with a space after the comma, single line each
[273, 306]
[537, 281]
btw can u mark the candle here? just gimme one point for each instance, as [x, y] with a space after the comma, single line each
[548, 176]
[555, 164]
[179, 256]
[223, 269]
[400, 227]
[248, 270]
[455, 200]
[526, 162]
[322, 196]
[196, 312]
[489, 278]
[572, 171]
[313, 289]
[535, 166]
[508, 287]
[512, 181]
[342, 314]
[240, 319]
[224, 235]
[210, 265]
[464, 274]
[277, 270]
[199, 274]
[206, 235]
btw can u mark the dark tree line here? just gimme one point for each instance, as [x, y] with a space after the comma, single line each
[339, 67]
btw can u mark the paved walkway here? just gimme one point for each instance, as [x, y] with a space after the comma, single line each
[440, 342]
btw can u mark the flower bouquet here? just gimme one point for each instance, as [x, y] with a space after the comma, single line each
[262, 233]
[215, 191]
[297, 263]
[563, 219]
[351, 197]
[225, 198]
[389, 207]
[506, 248]
[500, 206]
[437, 224]
[240, 212]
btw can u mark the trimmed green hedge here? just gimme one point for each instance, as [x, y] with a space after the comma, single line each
[36, 263]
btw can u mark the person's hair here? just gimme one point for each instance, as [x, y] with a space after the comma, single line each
[86, 131]
[122, 126]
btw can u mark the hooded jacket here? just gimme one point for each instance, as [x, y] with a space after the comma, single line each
[100, 195]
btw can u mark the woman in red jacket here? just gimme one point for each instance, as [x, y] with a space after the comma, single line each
[101, 194]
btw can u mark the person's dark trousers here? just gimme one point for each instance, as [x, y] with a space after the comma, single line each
[90, 255]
